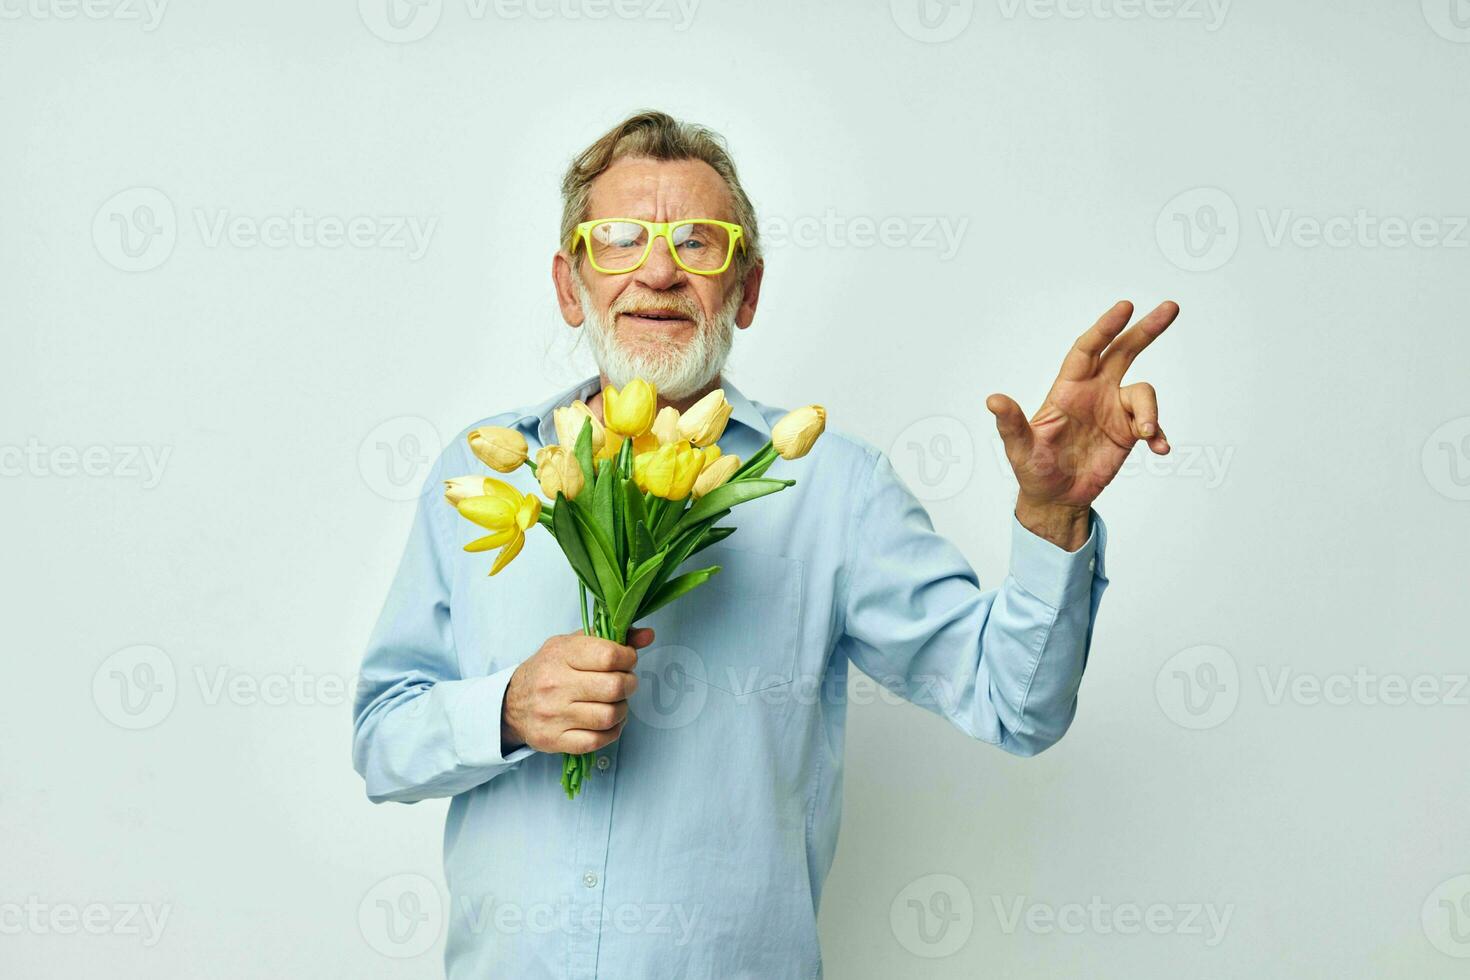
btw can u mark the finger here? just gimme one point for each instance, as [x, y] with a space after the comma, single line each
[1122, 351]
[640, 637]
[1141, 403]
[600, 654]
[1010, 422]
[1159, 443]
[594, 716]
[605, 686]
[579, 741]
[1081, 360]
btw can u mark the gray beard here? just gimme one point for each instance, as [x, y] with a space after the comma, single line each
[674, 372]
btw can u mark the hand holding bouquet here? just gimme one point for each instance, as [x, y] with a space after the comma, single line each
[632, 496]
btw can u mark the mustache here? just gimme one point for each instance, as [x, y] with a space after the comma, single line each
[682, 305]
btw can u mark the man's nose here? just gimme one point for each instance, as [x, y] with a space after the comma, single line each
[659, 272]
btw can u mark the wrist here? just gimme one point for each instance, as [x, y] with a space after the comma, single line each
[1065, 525]
[510, 737]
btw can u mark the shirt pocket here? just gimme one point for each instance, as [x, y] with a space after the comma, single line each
[743, 626]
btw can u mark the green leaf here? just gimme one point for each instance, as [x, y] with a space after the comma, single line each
[604, 512]
[713, 535]
[583, 451]
[599, 550]
[727, 496]
[633, 514]
[669, 512]
[564, 529]
[764, 454]
[638, 585]
[643, 546]
[758, 469]
[674, 588]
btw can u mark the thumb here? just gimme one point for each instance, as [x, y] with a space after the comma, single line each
[640, 637]
[1010, 421]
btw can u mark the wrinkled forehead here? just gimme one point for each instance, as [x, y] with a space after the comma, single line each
[659, 190]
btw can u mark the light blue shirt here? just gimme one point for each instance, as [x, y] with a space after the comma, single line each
[699, 845]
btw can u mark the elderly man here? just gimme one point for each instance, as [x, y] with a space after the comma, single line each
[701, 839]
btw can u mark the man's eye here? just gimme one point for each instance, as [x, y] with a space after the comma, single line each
[693, 244]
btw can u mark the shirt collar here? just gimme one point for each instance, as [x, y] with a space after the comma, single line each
[538, 418]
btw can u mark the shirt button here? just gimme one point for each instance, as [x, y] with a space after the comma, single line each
[603, 762]
[590, 879]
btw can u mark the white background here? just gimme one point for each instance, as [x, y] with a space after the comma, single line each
[1311, 524]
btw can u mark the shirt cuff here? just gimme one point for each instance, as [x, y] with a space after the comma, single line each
[1055, 576]
[474, 718]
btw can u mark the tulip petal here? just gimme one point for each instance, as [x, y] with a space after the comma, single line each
[489, 511]
[491, 541]
[507, 553]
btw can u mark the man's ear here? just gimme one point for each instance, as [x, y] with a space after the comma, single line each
[564, 279]
[746, 313]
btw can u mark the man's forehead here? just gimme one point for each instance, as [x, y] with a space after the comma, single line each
[659, 190]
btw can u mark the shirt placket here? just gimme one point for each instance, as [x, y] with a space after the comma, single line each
[594, 827]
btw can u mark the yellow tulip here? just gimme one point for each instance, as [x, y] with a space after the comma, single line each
[506, 512]
[706, 418]
[711, 453]
[462, 487]
[666, 425]
[557, 469]
[629, 412]
[498, 448]
[568, 422]
[715, 474]
[794, 435]
[668, 471]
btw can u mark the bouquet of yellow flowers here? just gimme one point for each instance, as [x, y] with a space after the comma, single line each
[632, 497]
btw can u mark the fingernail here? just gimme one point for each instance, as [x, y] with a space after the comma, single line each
[1147, 428]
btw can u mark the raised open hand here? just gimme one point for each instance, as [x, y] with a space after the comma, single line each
[1077, 441]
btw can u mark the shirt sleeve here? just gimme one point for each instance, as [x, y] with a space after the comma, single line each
[420, 730]
[1004, 665]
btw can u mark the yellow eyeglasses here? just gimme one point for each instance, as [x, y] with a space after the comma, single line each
[703, 246]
